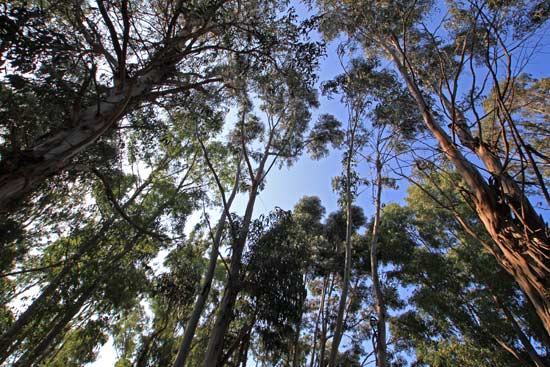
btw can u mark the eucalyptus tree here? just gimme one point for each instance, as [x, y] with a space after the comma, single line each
[98, 269]
[273, 297]
[466, 308]
[326, 283]
[475, 48]
[349, 188]
[382, 122]
[74, 70]
[285, 94]
[129, 219]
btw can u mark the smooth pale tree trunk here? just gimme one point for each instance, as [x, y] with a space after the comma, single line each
[339, 329]
[200, 303]
[379, 305]
[523, 243]
[53, 153]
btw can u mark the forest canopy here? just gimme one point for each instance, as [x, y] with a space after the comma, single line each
[138, 137]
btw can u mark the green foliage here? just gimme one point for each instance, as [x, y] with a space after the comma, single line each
[275, 264]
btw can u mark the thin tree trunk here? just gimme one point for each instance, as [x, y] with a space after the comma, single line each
[523, 241]
[318, 318]
[339, 329]
[38, 351]
[379, 305]
[225, 311]
[233, 284]
[324, 329]
[296, 347]
[200, 303]
[245, 346]
[11, 335]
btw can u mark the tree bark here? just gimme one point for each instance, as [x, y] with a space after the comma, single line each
[225, 311]
[522, 241]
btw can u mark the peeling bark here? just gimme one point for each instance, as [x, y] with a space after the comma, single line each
[519, 233]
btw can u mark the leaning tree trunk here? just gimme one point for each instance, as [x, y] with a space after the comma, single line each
[22, 173]
[379, 305]
[537, 360]
[12, 334]
[191, 326]
[61, 322]
[51, 155]
[225, 311]
[519, 232]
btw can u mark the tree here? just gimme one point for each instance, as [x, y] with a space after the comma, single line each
[75, 70]
[433, 65]
[478, 310]
[382, 120]
[286, 95]
[73, 266]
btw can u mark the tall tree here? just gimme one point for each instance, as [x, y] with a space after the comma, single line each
[382, 120]
[75, 70]
[441, 65]
[479, 315]
[286, 95]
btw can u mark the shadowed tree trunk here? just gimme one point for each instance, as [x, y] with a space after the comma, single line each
[379, 305]
[339, 329]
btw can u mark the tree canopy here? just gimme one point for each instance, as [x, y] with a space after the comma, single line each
[139, 138]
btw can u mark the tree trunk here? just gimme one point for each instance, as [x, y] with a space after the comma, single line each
[38, 351]
[317, 320]
[191, 326]
[522, 337]
[324, 328]
[380, 348]
[521, 237]
[54, 153]
[11, 335]
[296, 346]
[339, 329]
[225, 311]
